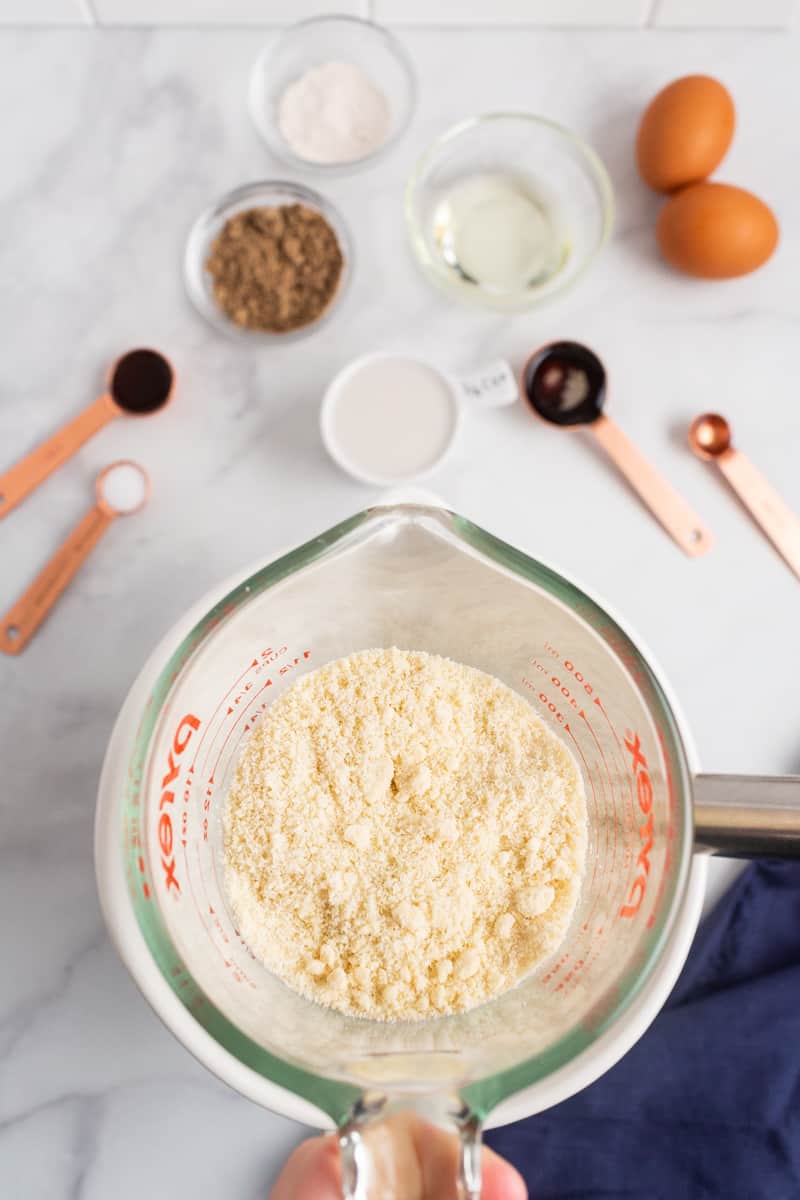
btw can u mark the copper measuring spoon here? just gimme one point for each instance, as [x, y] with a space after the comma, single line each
[710, 439]
[565, 384]
[139, 384]
[122, 488]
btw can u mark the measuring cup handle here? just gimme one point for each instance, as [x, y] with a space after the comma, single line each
[747, 816]
[377, 1141]
[29, 472]
[20, 623]
[667, 505]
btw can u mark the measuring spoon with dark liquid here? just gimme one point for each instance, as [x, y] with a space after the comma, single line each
[565, 384]
[139, 384]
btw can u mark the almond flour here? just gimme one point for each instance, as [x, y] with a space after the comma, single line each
[403, 837]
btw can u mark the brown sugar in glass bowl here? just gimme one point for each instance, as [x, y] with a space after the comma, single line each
[270, 260]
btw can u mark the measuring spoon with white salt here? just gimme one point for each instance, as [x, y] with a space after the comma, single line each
[391, 418]
[121, 489]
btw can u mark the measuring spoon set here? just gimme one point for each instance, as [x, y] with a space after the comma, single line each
[565, 384]
[140, 384]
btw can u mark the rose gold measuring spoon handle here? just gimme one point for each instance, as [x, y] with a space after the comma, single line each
[667, 505]
[18, 626]
[772, 513]
[32, 470]
[20, 623]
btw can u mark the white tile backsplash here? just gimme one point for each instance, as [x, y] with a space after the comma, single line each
[42, 12]
[720, 14]
[610, 14]
[587, 13]
[219, 12]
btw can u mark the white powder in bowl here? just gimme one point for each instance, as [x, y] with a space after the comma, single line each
[333, 113]
[403, 837]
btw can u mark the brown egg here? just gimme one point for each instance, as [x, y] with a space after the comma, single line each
[685, 132]
[716, 231]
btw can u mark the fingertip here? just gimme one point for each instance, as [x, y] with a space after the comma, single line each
[501, 1181]
[312, 1169]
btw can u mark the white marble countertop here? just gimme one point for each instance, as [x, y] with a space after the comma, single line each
[110, 144]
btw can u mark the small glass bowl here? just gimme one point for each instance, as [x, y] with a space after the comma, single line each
[331, 39]
[562, 172]
[266, 194]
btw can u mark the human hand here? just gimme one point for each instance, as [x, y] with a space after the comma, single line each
[413, 1161]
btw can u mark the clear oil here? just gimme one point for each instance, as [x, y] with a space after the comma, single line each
[493, 231]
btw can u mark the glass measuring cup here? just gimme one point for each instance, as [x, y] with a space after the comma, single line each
[422, 578]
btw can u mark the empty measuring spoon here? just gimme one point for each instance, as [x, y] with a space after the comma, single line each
[139, 384]
[565, 383]
[710, 439]
[121, 489]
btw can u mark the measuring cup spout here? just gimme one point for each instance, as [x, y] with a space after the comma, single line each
[383, 1144]
[747, 816]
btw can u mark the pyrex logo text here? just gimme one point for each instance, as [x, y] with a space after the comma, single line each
[166, 838]
[644, 794]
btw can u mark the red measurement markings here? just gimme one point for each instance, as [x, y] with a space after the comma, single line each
[284, 670]
[544, 699]
[596, 890]
[252, 715]
[567, 979]
[670, 783]
[612, 795]
[662, 883]
[202, 908]
[232, 726]
[133, 843]
[566, 693]
[615, 735]
[209, 728]
[262, 660]
[196, 1004]
[245, 700]
[135, 774]
[181, 977]
[668, 855]
[218, 883]
[187, 795]
[624, 773]
[588, 775]
[207, 910]
[590, 727]
[554, 970]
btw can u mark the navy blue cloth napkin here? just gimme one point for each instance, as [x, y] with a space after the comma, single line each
[707, 1105]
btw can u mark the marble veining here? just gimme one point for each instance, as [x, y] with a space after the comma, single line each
[112, 142]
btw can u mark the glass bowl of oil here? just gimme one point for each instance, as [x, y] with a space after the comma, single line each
[508, 209]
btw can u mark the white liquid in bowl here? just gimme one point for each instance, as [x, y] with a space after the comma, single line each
[388, 419]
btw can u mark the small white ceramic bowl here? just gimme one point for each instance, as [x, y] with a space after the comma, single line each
[492, 385]
[357, 463]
